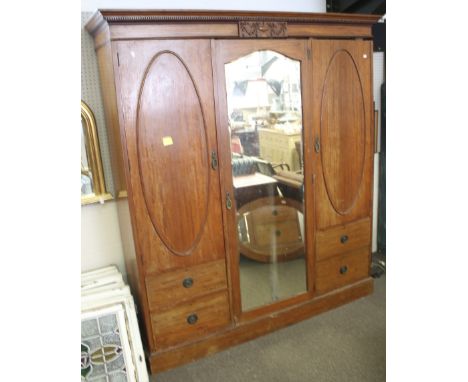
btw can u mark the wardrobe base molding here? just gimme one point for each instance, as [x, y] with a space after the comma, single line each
[243, 332]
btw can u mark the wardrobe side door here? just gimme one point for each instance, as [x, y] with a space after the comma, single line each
[168, 126]
[342, 155]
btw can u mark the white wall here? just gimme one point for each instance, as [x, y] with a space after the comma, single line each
[101, 244]
[100, 237]
[260, 5]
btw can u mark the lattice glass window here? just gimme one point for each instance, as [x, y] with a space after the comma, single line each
[105, 350]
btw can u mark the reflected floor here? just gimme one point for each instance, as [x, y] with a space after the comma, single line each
[263, 283]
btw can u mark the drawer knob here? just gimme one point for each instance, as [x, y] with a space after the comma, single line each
[343, 269]
[344, 239]
[188, 282]
[192, 319]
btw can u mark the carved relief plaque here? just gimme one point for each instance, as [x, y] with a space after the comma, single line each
[268, 29]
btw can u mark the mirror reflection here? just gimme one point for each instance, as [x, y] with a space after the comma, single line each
[265, 122]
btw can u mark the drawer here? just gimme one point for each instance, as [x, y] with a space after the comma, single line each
[277, 220]
[190, 321]
[171, 288]
[341, 270]
[338, 240]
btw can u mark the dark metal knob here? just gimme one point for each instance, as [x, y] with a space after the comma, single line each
[278, 232]
[228, 201]
[343, 269]
[192, 319]
[317, 145]
[344, 239]
[188, 282]
[214, 160]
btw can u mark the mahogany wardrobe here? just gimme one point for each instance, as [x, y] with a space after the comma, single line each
[242, 150]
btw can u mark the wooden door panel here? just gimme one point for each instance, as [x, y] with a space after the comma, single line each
[342, 121]
[169, 128]
[171, 139]
[342, 130]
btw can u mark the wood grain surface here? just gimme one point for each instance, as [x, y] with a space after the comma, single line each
[171, 327]
[164, 90]
[168, 121]
[343, 238]
[160, 361]
[173, 154]
[342, 125]
[341, 270]
[167, 289]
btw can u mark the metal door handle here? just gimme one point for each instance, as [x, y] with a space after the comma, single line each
[317, 145]
[228, 201]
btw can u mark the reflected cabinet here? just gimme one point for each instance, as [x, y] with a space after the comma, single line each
[244, 142]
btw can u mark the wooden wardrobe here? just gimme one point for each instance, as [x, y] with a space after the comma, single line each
[242, 149]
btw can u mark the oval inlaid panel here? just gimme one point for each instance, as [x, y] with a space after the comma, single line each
[342, 132]
[172, 153]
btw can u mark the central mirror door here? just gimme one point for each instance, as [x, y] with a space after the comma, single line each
[262, 121]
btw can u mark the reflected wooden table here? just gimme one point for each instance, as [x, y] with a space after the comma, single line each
[268, 224]
[249, 187]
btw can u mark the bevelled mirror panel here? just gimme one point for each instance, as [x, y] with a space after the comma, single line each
[265, 122]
